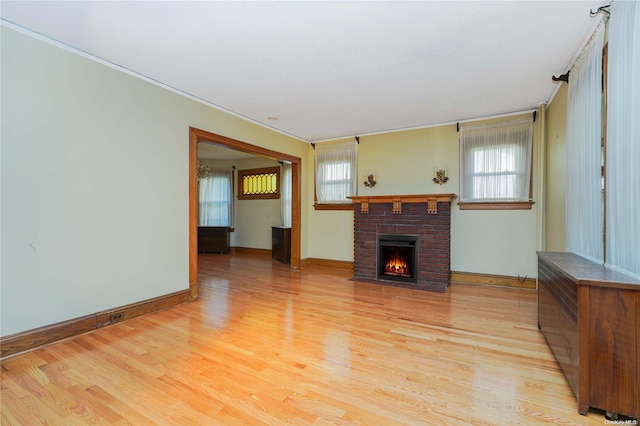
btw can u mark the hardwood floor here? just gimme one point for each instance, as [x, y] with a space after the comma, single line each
[269, 345]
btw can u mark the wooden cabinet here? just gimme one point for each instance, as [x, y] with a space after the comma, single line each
[213, 239]
[590, 316]
[281, 243]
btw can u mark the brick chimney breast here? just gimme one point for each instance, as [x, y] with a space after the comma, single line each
[417, 217]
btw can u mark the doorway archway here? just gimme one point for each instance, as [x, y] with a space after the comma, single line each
[197, 135]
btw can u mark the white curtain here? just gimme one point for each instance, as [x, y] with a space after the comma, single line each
[623, 139]
[336, 171]
[584, 200]
[215, 200]
[285, 194]
[496, 161]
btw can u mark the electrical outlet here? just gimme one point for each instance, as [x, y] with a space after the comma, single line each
[116, 317]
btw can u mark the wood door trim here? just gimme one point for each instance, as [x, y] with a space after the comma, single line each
[197, 135]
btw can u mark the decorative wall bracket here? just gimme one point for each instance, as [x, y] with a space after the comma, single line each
[440, 176]
[370, 180]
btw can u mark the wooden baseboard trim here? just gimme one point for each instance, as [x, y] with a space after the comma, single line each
[249, 250]
[340, 264]
[32, 339]
[497, 280]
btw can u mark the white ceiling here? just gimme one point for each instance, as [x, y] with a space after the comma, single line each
[331, 69]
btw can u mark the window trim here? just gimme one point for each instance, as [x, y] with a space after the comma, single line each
[345, 206]
[496, 205]
[505, 204]
[332, 206]
[259, 171]
[328, 206]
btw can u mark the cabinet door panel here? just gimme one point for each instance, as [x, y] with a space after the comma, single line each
[613, 353]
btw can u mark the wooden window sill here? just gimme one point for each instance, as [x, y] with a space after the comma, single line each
[345, 206]
[230, 229]
[497, 205]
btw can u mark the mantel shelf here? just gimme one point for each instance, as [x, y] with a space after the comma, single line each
[432, 201]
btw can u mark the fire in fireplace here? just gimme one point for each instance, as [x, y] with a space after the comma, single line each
[397, 266]
[397, 258]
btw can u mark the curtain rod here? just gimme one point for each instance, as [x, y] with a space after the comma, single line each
[313, 144]
[428, 126]
[604, 10]
[535, 114]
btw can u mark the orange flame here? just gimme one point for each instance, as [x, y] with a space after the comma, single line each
[397, 266]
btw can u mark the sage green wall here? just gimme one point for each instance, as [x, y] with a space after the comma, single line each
[94, 185]
[556, 165]
[490, 242]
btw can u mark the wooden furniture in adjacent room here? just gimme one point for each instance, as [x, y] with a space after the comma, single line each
[590, 316]
[213, 239]
[281, 243]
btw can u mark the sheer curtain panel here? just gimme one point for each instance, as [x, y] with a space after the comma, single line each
[336, 170]
[495, 161]
[215, 200]
[285, 194]
[585, 207]
[623, 138]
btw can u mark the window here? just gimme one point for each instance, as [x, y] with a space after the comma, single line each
[336, 171]
[495, 164]
[215, 205]
[259, 184]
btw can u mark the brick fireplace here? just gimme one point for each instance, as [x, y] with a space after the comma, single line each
[425, 217]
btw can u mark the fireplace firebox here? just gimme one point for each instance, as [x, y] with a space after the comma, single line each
[397, 260]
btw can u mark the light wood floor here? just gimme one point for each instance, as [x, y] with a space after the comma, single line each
[268, 345]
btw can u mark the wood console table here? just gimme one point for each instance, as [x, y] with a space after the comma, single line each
[590, 316]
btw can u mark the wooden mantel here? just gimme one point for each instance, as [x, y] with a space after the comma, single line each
[432, 201]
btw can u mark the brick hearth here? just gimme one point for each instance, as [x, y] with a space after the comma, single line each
[418, 215]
